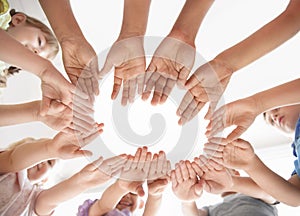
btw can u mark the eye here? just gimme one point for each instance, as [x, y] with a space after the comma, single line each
[39, 41]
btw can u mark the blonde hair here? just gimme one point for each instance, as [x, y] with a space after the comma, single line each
[50, 38]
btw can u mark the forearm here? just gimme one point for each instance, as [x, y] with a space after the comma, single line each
[190, 19]
[190, 209]
[265, 39]
[49, 199]
[274, 184]
[108, 201]
[25, 156]
[247, 186]
[19, 113]
[61, 18]
[152, 205]
[281, 95]
[135, 18]
[14, 53]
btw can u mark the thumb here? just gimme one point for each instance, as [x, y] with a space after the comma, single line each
[106, 68]
[198, 188]
[237, 132]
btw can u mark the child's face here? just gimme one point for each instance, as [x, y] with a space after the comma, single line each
[31, 37]
[40, 171]
[284, 118]
[130, 201]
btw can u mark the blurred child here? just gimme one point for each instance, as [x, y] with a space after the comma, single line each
[30, 32]
[218, 180]
[27, 164]
[123, 197]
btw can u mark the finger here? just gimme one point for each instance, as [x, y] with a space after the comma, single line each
[191, 172]
[211, 109]
[188, 112]
[161, 160]
[212, 153]
[125, 93]
[84, 110]
[142, 158]
[204, 161]
[140, 191]
[178, 175]
[214, 147]
[82, 153]
[173, 179]
[106, 67]
[159, 86]
[188, 97]
[95, 85]
[91, 137]
[89, 86]
[82, 85]
[218, 140]
[192, 82]
[197, 169]
[183, 74]
[95, 164]
[132, 90]
[149, 85]
[84, 104]
[201, 164]
[128, 163]
[77, 92]
[116, 87]
[153, 166]
[147, 162]
[241, 143]
[140, 82]
[199, 106]
[167, 90]
[215, 165]
[184, 171]
[236, 133]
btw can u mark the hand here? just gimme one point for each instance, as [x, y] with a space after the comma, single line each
[216, 177]
[58, 116]
[158, 178]
[241, 113]
[68, 145]
[207, 84]
[171, 63]
[237, 154]
[100, 171]
[81, 64]
[56, 87]
[135, 171]
[128, 59]
[185, 184]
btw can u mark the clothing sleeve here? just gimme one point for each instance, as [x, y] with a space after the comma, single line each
[83, 210]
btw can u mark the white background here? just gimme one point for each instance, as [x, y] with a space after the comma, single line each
[226, 23]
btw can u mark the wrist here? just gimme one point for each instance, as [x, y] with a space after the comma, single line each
[252, 164]
[130, 34]
[259, 102]
[182, 36]
[36, 111]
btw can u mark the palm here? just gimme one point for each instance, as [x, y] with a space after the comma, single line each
[186, 190]
[217, 181]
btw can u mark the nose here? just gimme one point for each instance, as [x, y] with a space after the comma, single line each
[274, 114]
[33, 49]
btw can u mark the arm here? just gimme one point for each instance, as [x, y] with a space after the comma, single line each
[247, 186]
[135, 18]
[265, 39]
[190, 209]
[243, 112]
[158, 180]
[284, 191]
[19, 113]
[109, 199]
[92, 175]
[189, 20]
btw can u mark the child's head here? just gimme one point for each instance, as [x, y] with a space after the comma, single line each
[283, 118]
[33, 34]
[37, 174]
[131, 202]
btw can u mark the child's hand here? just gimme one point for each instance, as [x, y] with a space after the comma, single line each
[58, 117]
[241, 113]
[216, 177]
[158, 178]
[100, 171]
[68, 145]
[127, 56]
[135, 171]
[237, 154]
[185, 184]
[171, 63]
[207, 84]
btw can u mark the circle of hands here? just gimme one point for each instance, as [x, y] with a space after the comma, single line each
[69, 109]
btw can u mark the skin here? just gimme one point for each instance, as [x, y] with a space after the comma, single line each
[284, 118]
[40, 172]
